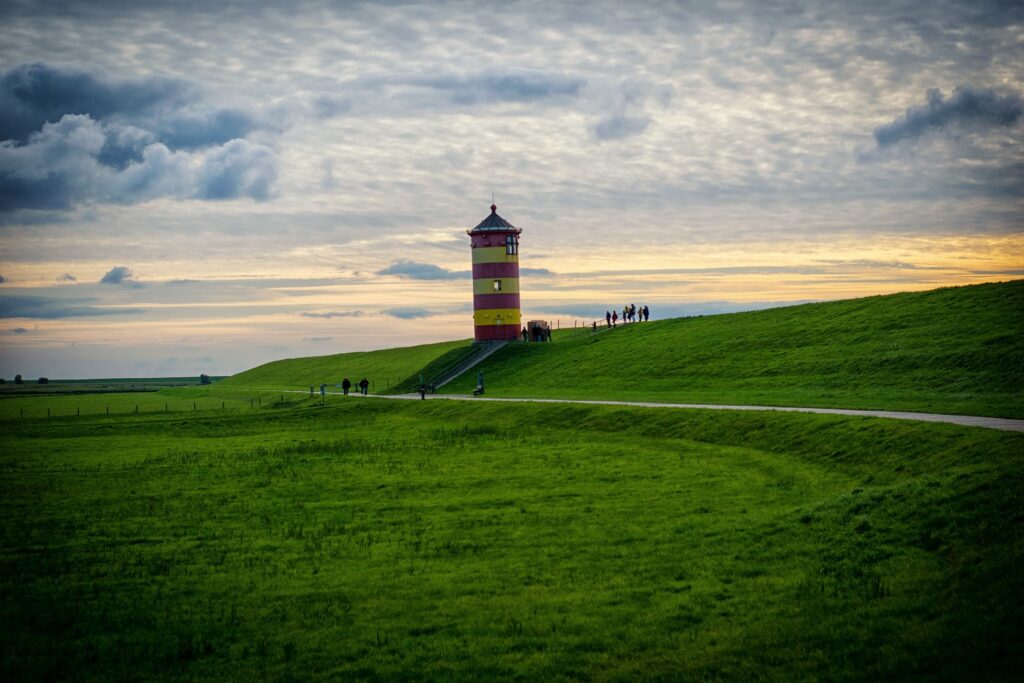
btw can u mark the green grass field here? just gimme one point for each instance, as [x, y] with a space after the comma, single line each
[435, 540]
[240, 531]
[956, 350]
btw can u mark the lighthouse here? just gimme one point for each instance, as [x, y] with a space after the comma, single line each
[495, 246]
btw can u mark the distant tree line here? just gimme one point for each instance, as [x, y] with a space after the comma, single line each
[18, 379]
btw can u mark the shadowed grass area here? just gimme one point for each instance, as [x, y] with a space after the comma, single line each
[441, 540]
[954, 350]
[385, 368]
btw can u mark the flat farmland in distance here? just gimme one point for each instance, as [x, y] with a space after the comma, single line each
[124, 404]
[446, 540]
[96, 386]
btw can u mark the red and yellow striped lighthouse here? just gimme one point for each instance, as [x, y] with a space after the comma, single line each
[495, 245]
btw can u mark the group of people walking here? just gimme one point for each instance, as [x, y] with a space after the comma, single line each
[537, 333]
[364, 386]
[630, 314]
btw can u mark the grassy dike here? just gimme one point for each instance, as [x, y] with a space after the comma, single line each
[440, 540]
[953, 350]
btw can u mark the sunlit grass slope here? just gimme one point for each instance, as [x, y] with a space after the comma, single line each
[380, 540]
[384, 368]
[946, 350]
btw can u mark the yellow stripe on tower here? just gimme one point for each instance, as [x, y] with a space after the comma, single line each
[485, 285]
[493, 255]
[496, 316]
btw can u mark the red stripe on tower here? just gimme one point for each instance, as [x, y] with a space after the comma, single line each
[491, 270]
[492, 301]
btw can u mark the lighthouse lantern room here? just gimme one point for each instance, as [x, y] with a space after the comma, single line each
[495, 245]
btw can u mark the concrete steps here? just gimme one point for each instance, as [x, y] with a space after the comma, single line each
[480, 352]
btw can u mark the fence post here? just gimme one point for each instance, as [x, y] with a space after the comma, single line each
[136, 408]
[47, 412]
[78, 411]
[108, 410]
[193, 406]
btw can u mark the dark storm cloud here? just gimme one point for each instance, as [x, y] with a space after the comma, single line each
[408, 312]
[116, 275]
[50, 308]
[616, 108]
[151, 109]
[967, 107]
[327, 106]
[333, 314]
[60, 167]
[69, 136]
[502, 86]
[874, 263]
[413, 91]
[34, 94]
[203, 129]
[422, 271]
[619, 126]
[238, 169]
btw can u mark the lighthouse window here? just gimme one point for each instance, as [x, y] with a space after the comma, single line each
[511, 245]
[497, 285]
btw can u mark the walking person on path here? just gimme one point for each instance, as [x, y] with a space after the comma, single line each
[632, 312]
[526, 335]
[647, 313]
[345, 386]
[364, 386]
[615, 318]
[608, 318]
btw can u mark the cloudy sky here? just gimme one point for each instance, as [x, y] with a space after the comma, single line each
[188, 190]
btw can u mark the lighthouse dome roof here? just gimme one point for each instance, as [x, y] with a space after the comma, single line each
[493, 222]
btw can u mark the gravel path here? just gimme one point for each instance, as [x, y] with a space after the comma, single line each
[1005, 424]
[1002, 423]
